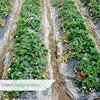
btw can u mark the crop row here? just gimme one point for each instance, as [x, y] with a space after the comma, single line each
[5, 8]
[93, 6]
[29, 54]
[80, 46]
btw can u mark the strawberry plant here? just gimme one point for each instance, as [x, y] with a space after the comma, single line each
[93, 6]
[28, 57]
[5, 8]
[80, 45]
[28, 50]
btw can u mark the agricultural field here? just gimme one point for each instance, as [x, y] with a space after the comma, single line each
[51, 41]
[80, 46]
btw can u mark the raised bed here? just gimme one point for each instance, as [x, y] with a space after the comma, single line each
[28, 53]
[93, 7]
[78, 53]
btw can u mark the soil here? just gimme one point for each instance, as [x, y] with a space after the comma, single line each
[57, 87]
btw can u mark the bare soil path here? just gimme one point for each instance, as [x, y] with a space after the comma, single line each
[58, 89]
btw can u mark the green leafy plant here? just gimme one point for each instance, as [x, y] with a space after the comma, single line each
[93, 6]
[28, 56]
[80, 46]
[5, 8]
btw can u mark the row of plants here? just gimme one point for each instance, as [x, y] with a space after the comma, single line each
[29, 53]
[5, 8]
[79, 45]
[93, 6]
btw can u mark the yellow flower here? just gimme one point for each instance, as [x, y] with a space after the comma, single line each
[61, 19]
[64, 30]
[65, 41]
[2, 23]
[62, 60]
[45, 76]
[47, 70]
[6, 99]
[65, 58]
[61, 9]
[13, 55]
[41, 38]
[10, 48]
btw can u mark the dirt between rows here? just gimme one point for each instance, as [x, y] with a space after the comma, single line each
[58, 88]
